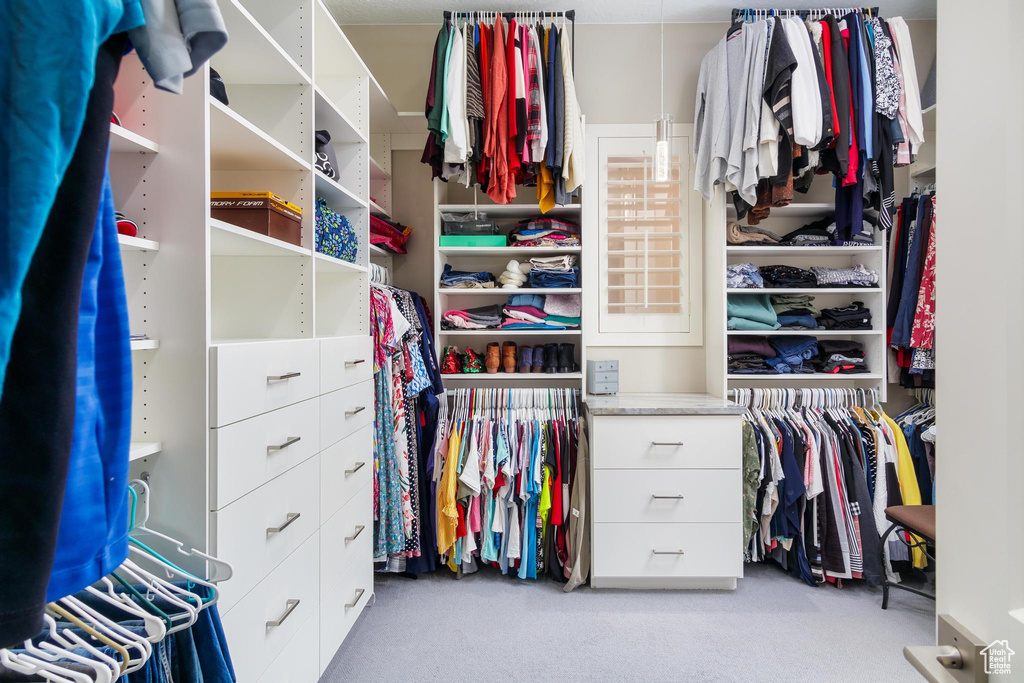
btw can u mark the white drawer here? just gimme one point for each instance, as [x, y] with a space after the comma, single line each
[345, 537]
[340, 608]
[247, 454]
[345, 361]
[299, 662]
[240, 531]
[682, 496]
[253, 378]
[657, 442]
[708, 550]
[253, 642]
[344, 411]
[345, 468]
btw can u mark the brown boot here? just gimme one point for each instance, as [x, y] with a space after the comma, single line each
[508, 356]
[493, 359]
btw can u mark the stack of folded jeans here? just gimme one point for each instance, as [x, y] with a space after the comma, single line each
[858, 276]
[795, 311]
[791, 352]
[554, 272]
[852, 317]
[751, 312]
[743, 276]
[461, 279]
[841, 356]
[545, 232]
[481, 318]
[749, 356]
[787, 276]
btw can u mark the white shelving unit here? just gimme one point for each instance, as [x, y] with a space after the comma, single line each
[782, 220]
[452, 199]
[253, 340]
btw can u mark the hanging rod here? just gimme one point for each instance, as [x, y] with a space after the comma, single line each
[738, 13]
[568, 14]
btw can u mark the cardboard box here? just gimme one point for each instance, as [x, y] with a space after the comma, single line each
[262, 212]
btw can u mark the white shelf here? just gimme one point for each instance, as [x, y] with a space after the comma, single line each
[378, 251]
[145, 344]
[230, 240]
[143, 449]
[802, 251]
[499, 291]
[137, 244]
[514, 210]
[817, 376]
[922, 169]
[378, 210]
[508, 251]
[337, 196]
[252, 56]
[330, 263]
[802, 210]
[804, 290]
[809, 333]
[237, 144]
[123, 140]
[495, 332]
[329, 117]
[498, 376]
[377, 171]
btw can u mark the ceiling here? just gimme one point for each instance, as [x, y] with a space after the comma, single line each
[587, 11]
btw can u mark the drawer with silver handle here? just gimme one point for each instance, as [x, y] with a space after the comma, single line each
[340, 608]
[345, 361]
[345, 468]
[345, 411]
[667, 496]
[259, 530]
[667, 442]
[299, 661]
[668, 550]
[345, 538]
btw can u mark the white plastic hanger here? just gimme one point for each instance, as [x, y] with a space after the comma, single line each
[113, 630]
[105, 668]
[27, 664]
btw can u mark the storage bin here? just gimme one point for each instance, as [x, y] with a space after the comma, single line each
[472, 240]
[261, 212]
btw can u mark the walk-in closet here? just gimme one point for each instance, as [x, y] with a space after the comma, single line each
[358, 341]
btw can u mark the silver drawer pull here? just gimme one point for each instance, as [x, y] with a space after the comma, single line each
[666, 443]
[354, 411]
[287, 375]
[286, 444]
[667, 552]
[292, 516]
[359, 466]
[354, 362]
[289, 608]
[678, 496]
[359, 530]
[359, 595]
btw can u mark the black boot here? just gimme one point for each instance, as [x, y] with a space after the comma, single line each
[566, 357]
[551, 358]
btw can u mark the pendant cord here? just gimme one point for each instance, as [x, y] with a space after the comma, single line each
[662, 112]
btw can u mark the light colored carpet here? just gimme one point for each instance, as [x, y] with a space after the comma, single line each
[772, 628]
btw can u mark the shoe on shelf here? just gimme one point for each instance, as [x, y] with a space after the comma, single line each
[566, 357]
[508, 356]
[471, 362]
[525, 359]
[538, 359]
[450, 361]
[550, 358]
[492, 359]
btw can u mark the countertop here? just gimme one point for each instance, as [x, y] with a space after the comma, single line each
[661, 404]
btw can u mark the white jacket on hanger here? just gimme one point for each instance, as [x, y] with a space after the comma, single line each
[806, 96]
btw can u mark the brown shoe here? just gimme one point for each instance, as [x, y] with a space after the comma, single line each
[493, 359]
[508, 356]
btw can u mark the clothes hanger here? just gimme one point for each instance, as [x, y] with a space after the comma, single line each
[156, 626]
[68, 645]
[157, 587]
[110, 627]
[25, 664]
[92, 632]
[103, 671]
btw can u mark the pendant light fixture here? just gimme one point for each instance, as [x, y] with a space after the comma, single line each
[663, 124]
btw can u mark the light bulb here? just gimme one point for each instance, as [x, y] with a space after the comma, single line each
[662, 153]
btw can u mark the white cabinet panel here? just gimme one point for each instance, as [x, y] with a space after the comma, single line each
[667, 442]
[345, 361]
[668, 550]
[345, 468]
[253, 378]
[345, 537]
[667, 496]
[344, 411]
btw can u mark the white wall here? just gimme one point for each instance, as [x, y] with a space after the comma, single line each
[617, 81]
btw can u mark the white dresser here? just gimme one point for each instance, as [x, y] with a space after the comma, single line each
[667, 495]
[291, 457]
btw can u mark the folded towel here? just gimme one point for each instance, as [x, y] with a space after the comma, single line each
[570, 320]
[563, 304]
[753, 307]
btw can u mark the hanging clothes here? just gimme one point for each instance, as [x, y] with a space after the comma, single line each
[910, 311]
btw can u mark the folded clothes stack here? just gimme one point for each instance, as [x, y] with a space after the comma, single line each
[751, 312]
[748, 235]
[461, 279]
[841, 356]
[389, 235]
[545, 232]
[795, 311]
[858, 276]
[786, 277]
[743, 276]
[481, 318]
[749, 356]
[791, 352]
[814, 234]
[514, 276]
[552, 272]
[852, 317]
